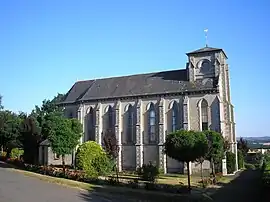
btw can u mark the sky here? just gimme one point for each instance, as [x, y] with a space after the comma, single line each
[46, 46]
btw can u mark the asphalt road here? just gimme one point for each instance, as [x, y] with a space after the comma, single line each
[15, 187]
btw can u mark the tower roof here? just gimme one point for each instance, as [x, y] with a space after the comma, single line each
[206, 49]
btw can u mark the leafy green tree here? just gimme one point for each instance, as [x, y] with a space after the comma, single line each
[63, 134]
[9, 130]
[34, 126]
[185, 146]
[111, 147]
[201, 149]
[49, 106]
[30, 138]
[215, 152]
[230, 161]
[242, 145]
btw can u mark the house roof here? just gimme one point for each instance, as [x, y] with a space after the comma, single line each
[174, 81]
[45, 143]
[206, 49]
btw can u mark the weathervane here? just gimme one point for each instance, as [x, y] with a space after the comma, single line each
[206, 40]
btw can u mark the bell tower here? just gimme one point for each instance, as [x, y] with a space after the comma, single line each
[211, 64]
[204, 63]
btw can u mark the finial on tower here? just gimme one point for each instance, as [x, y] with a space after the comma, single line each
[206, 40]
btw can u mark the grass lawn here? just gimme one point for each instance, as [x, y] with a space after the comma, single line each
[172, 179]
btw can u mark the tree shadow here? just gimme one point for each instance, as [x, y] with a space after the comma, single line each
[246, 186]
[116, 194]
[5, 165]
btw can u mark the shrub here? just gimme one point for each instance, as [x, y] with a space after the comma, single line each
[133, 183]
[230, 159]
[266, 175]
[240, 159]
[3, 154]
[93, 160]
[206, 182]
[148, 172]
[16, 153]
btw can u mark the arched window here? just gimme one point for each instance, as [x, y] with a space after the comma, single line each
[204, 115]
[90, 125]
[130, 125]
[110, 118]
[152, 124]
[175, 120]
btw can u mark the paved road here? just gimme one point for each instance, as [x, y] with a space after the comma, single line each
[245, 187]
[15, 187]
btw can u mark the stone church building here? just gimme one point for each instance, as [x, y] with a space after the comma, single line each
[142, 109]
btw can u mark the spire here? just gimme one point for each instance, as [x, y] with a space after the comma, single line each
[206, 40]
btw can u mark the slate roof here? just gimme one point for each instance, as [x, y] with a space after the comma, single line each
[174, 81]
[45, 143]
[206, 49]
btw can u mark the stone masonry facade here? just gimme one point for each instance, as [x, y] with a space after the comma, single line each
[141, 120]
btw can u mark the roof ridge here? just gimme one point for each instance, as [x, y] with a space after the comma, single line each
[130, 75]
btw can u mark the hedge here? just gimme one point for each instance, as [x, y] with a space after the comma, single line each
[230, 159]
[240, 159]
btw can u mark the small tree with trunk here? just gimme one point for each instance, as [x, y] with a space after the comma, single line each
[185, 146]
[63, 134]
[111, 147]
[201, 149]
[215, 148]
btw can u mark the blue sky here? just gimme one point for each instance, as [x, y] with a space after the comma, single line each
[46, 46]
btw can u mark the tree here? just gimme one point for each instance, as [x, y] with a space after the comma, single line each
[63, 134]
[30, 138]
[34, 126]
[111, 147]
[215, 148]
[184, 146]
[1, 106]
[52, 105]
[9, 130]
[201, 149]
[242, 145]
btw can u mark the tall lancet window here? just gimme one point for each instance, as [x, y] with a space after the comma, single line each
[110, 118]
[152, 124]
[90, 125]
[175, 120]
[130, 125]
[204, 114]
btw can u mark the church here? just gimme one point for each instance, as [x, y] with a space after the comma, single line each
[142, 109]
